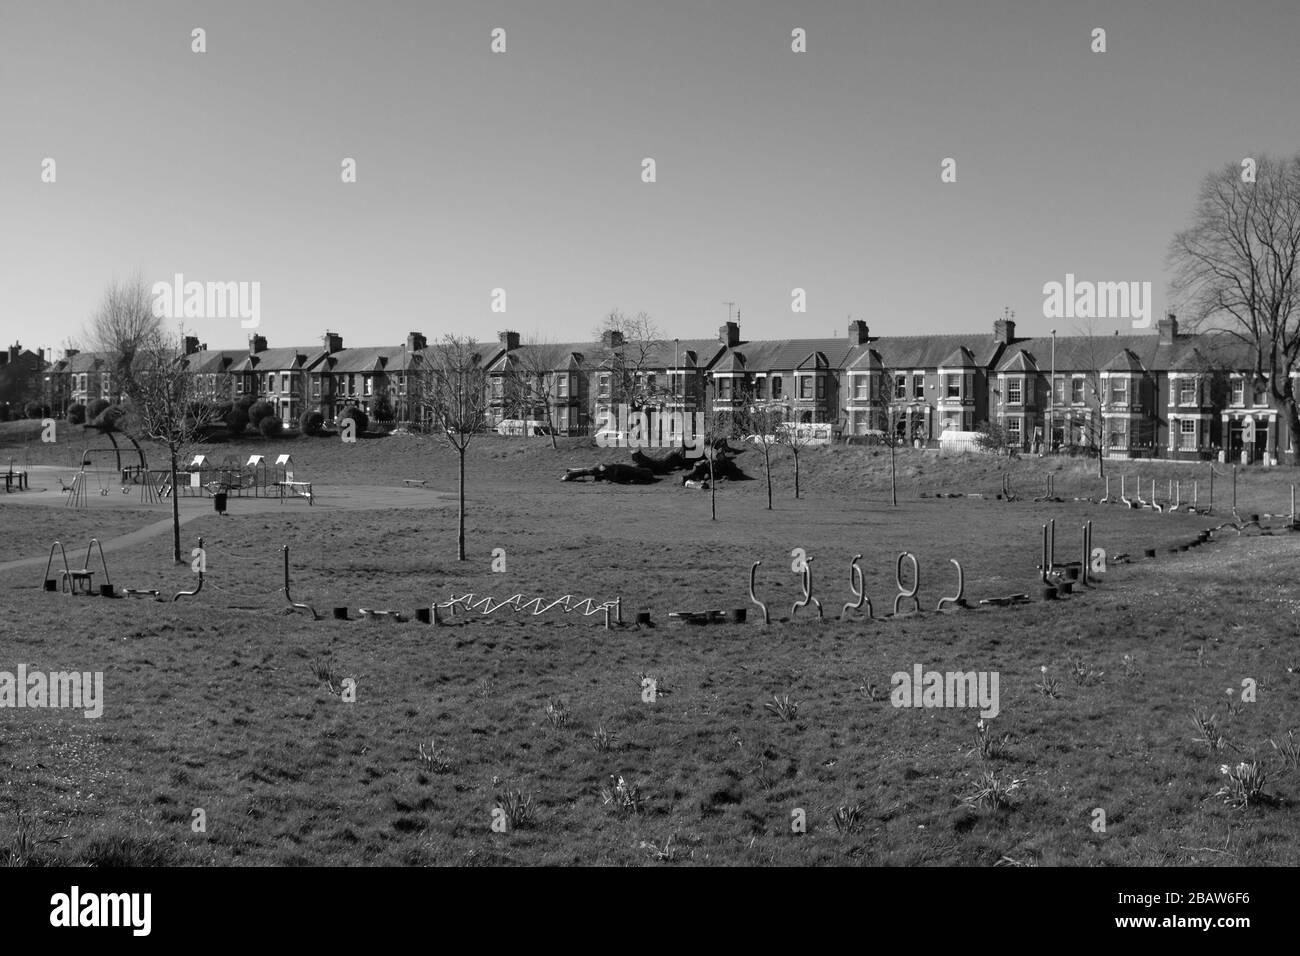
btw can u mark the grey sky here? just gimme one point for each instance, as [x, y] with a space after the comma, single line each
[523, 170]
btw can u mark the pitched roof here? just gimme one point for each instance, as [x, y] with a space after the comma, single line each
[1018, 361]
[1124, 361]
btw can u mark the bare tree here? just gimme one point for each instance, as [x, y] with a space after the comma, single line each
[122, 325]
[759, 421]
[530, 381]
[166, 404]
[1091, 423]
[449, 383]
[1237, 270]
[633, 360]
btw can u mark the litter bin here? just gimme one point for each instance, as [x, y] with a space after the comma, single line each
[219, 502]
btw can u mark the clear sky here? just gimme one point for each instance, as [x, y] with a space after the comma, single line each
[522, 170]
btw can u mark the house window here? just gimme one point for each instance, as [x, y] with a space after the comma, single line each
[284, 382]
[562, 386]
[861, 386]
[776, 387]
[900, 387]
[1187, 391]
[650, 383]
[602, 385]
[1013, 431]
[918, 385]
[368, 384]
[1058, 390]
[724, 388]
[1076, 390]
[1238, 391]
[1187, 434]
[821, 387]
[1015, 391]
[270, 382]
[760, 388]
[805, 386]
[1117, 433]
[953, 385]
[1119, 391]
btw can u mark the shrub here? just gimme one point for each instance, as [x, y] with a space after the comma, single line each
[110, 419]
[311, 422]
[357, 415]
[95, 409]
[36, 410]
[270, 426]
[237, 419]
[77, 414]
[259, 410]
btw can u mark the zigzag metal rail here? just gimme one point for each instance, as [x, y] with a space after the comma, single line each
[487, 604]
[858, 589]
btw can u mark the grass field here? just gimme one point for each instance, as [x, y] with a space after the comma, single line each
[228, 701]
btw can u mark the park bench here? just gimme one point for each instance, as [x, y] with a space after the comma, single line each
[412, 482]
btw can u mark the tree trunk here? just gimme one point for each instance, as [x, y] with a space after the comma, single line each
[460, 532]
[893, 478]
[713, 493]
[796, 474]
[767, 468]
[1291, 409]
[176, 510]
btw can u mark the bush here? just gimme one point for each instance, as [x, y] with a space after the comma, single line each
[77, 414]
[95, 409]
[270, 426]
[36, 410]
[110, 419]
[258, 411]
[311, 423]
[357, 415]
[236, 419]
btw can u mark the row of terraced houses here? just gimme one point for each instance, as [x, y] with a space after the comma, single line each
[1156, 394]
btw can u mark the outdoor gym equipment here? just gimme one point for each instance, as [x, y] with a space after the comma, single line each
[487, 605]
[73, 579]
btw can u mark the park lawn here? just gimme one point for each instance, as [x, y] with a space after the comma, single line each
[215, 703]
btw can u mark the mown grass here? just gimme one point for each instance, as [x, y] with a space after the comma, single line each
[214, 707]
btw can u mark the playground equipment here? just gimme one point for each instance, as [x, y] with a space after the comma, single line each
[77, 579]
[753, 597]
[958, 600]
[234, 478]
[856, 586]
[487, 605]
[806, 584]
[78, 491]
[284, 480]
[1007, 493]
[287, 596]
[190, 480]
[1049, 489]
[904, 593]
[15, 478]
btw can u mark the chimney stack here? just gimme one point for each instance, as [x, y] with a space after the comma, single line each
[332, 341]
[191, 344]
[729, 334]
[1004, 331]
[510, 340]
[612, 339]
[1168, 327]
[416, 342]
[256, 343]
[858, 332]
